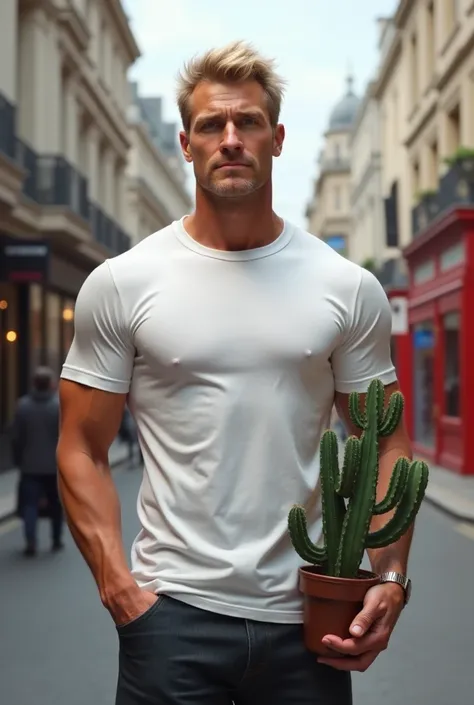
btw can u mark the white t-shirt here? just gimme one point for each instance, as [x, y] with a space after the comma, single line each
[231, 360]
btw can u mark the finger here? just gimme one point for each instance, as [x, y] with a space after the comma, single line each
[360, 663]
[355, 647]
[370, 613]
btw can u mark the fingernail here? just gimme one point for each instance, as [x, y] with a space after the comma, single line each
[327, 641]
[357, 629]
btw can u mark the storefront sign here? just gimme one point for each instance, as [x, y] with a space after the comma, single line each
[24, 260]
[423, 339]
[399, 308]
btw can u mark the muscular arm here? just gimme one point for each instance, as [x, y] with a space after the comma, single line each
[394, 556]
[90, 419]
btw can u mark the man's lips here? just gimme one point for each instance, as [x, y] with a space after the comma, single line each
[231, 165]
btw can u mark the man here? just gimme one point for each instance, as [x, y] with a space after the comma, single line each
[230, 332]
[35, 433]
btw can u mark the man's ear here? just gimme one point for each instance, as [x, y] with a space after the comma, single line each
[278, 139]
[185, 146]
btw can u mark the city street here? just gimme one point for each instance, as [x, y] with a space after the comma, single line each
[58, 646]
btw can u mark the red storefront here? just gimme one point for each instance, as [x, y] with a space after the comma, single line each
[440, 359]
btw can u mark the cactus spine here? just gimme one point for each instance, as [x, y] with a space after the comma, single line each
[346, 528]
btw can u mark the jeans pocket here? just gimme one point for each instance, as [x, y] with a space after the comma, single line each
[137, 621]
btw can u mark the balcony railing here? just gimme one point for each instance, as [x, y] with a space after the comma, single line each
[7, 127]
[27, 159]
[456, 188]
[60, 184]
[52, 181]
[107, 232]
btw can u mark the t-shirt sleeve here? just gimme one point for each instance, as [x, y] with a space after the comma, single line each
[364, 352]
[102, 353]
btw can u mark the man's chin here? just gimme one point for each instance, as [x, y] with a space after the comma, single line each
[233, 188]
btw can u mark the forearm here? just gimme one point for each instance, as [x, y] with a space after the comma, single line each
[92, 510]
[395, 555]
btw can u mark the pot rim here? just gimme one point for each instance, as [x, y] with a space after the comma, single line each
[309, 571]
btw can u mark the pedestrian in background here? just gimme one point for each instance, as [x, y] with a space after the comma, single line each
[35, 433]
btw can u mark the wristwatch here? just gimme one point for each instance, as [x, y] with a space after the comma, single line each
[393, 577]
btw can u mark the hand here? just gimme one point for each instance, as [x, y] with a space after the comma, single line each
[131, 604]
[371, 629]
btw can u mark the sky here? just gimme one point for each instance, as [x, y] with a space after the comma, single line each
[314, 42]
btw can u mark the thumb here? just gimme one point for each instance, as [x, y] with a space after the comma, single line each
[364, 620]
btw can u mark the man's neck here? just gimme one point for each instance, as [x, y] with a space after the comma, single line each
[233, 224]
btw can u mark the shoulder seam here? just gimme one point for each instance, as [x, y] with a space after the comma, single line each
[114, 283]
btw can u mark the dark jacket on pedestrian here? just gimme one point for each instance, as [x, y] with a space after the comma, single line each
[35, 433]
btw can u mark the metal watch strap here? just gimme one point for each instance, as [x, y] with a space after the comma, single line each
[392, 576]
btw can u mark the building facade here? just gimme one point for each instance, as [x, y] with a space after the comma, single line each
[156, 179]
[329, 212]
[367, 216]
[425, 87]
[64, 145]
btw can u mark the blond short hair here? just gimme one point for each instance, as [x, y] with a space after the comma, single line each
[235, 62]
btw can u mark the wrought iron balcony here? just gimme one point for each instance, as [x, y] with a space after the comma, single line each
[7, 127]
[456, 188]
[60, 184]
[107, 232]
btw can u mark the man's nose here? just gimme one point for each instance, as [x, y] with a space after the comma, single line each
[231, 141]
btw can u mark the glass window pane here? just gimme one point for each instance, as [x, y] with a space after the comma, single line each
[423, 371]
[36, 331]
[67, 325]
[53, 327]
[451, 328]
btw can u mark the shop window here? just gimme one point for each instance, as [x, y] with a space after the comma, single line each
[36, 342]
[53, 331]
[67, 327]
[451, 331]
[423, 372]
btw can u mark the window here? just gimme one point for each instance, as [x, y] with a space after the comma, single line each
[53, 331]
[431, 41]
[451, 330]
[433, 165]
[414, 69]
[415, 179]
[67, 328]
[453, 129]
[423, 373]
[36, 342]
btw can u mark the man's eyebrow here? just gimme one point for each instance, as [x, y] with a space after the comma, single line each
[250, 112]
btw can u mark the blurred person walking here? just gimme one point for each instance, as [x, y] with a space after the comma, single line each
[35, 434]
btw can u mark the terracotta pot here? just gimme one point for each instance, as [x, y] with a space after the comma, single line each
[331, 604]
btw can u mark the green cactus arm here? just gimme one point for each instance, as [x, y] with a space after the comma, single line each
[359, 512]
[393, 414]
[377, 389]
[395, 488]
[357, 416]
[333, 505]
[303, 545]
[406, 511]
[350, 467]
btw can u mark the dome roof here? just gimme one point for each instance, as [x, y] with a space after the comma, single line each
[344, 113]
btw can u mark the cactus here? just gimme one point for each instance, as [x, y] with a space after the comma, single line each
[346, 527]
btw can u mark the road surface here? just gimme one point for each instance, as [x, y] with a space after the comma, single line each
[58, 645]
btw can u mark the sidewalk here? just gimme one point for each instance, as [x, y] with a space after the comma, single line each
[451, 492]
[9, 479]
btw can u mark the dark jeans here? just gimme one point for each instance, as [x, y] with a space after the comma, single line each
[35, 487]
[175, 654]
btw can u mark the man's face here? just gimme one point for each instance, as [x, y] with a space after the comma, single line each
[231, 142]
